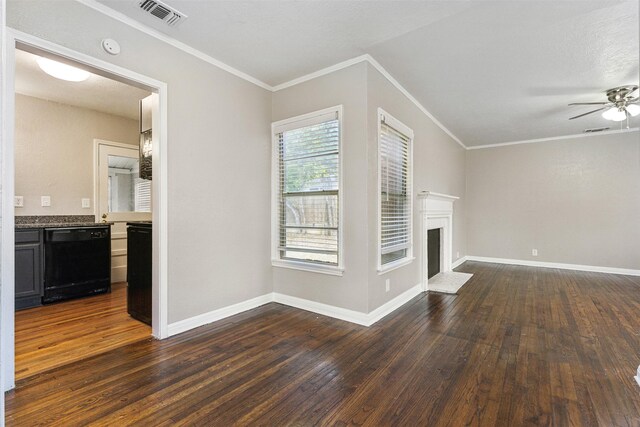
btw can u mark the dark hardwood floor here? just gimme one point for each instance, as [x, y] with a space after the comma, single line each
[517, 346]
[59, 334]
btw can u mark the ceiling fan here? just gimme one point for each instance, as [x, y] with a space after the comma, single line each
[621, 105]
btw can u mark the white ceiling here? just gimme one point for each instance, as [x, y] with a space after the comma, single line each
[96, 93]
[490, 71]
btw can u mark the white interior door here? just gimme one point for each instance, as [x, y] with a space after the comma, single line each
[121, 196]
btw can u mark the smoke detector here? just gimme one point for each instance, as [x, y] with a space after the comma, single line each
[162, 11]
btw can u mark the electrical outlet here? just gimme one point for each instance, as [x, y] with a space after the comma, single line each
[45, 201]
[457, 255]
[18, 201]
[86, 203]
[387, 285]
[534, 252]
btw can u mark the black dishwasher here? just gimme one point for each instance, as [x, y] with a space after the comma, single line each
[77, 262]
[139, 253]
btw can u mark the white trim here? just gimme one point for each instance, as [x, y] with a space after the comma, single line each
[221, 313]
[396, 265]
[304, 120]
[308, 266]
[97, 181]
[119, 274]
[95, 5]
[322, 72]
[105, 10]
[375, 64]
[578, 267]
[394, 304]
[458, 262]
[401, 127]
[438, 196]
[364, 319]
[406, 93]
[4, 129]
[7, 218]
[553, 138]
[323, 309]
[160, 204]
[118, 252]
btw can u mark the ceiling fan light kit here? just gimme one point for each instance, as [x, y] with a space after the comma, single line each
[621, 104]
[615, 114]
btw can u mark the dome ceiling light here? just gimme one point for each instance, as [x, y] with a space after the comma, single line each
[62, 71]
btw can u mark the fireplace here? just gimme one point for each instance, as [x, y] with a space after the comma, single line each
[437, 223]
[433, 252]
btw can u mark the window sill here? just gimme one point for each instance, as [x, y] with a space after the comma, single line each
[304, 266]
[395, 265]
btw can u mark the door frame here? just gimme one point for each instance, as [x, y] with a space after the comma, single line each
[97, 185]
[13, 40]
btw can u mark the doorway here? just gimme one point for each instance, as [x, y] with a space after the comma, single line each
[15, 41]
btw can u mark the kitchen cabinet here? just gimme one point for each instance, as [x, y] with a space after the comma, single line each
[139, 271]
[29, 267]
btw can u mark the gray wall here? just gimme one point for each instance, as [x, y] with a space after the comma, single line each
[576, 200]
[348, 88]
[438, 166]
[54, 153]
[218, 156]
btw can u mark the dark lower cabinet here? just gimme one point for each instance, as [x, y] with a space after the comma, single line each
[29, 266]
[139, 249]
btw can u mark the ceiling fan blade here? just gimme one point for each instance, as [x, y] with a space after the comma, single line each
[588, 103]
[590, 112]
[633, 101]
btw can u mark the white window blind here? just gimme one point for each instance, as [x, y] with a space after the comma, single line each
[395, 194]
[142, 195]
[308, 184]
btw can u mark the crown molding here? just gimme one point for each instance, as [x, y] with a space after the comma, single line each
[322, 72]
[554, 138]
[406, 93]
[375, 64]
[99, 7]
[105, 10]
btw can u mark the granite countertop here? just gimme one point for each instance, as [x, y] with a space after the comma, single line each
[56, 221]
[62, 224]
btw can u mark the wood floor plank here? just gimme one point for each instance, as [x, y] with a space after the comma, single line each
[59, 334]
[517, 346]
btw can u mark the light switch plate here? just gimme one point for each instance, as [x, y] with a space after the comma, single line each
[18, 201]
[45, 201]
[86, 203]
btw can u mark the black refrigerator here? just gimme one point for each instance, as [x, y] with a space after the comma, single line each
[139, 250]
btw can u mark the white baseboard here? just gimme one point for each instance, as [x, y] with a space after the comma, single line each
[320, 308]
[206, 318]
[119, 274]
[365, 319]
[458, 262]
[394, 304]
[579, 267]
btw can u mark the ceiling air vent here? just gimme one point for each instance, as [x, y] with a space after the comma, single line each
[592, 130]
[162, 11]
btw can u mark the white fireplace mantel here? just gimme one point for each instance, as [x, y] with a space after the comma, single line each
[437, 212]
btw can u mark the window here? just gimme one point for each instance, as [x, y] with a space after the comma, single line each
[395, 197]
[307, 201]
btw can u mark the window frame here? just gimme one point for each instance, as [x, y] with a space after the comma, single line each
[295, 123]
[408, 132]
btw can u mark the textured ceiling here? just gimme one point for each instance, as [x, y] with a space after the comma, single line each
[96, 93]
[490, 71]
